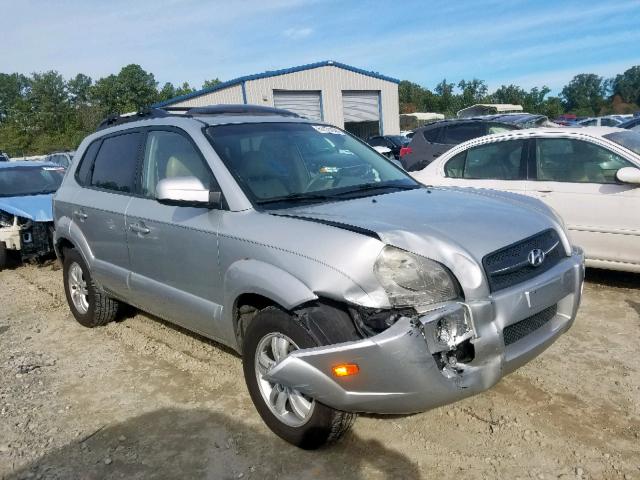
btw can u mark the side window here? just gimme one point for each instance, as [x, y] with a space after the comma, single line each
[432, 135]
[83, 173]
[608, 122]
[116, 162]
[576, 161]
[455, 167]
[455, 134]
[168, 155]
[377, 142]
[500, 161]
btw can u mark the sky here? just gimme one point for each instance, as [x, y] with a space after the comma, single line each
[528, 43]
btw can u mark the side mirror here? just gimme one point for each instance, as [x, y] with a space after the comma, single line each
[186, 192]
[629, 175]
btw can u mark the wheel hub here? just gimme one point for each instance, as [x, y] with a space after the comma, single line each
[78, 288]
[289, 405]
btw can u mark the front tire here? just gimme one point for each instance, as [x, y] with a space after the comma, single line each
[90, 306]
[295, 417]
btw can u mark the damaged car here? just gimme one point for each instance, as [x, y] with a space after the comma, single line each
[26, 216]
[346, 285]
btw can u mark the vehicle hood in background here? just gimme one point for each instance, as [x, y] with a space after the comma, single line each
[430, 221]
[34, 207]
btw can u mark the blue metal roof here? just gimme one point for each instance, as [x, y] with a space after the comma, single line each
[273, 73]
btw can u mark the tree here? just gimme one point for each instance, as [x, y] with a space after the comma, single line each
[211, 83]
[184, 89]
[79, 89]
[473, 91]
[414, 98]
[627, 85]
[584, 95]
[13, 87]
[131, 90]
[447, 102]
[511, 94]
[166, 92]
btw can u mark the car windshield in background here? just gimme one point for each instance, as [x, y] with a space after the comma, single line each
[20, 181]
[296, 162]
[628, 139]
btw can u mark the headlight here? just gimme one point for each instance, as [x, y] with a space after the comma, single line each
[412, 280]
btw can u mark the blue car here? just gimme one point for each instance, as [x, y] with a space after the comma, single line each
[26, 216]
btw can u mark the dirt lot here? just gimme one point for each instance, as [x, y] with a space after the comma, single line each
[142, 399]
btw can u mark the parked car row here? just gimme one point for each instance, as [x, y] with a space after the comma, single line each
[346, 285]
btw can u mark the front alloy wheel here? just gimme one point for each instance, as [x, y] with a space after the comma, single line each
[289, 405]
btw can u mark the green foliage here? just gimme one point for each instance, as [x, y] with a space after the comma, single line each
[585, 94]
[43, 112]
[211, 83]
[627, 85]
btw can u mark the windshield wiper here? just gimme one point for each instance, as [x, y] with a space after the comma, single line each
[377, 186]
[296, 197]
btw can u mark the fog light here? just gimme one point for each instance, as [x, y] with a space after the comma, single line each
[446, 327]
[346, 370]
[451, 327]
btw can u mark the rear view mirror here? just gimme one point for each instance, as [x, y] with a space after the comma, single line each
[186, 192]
[629, 175]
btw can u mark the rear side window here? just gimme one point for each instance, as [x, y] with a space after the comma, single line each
[116, 163]
[432, 135]
[497, 161]
[83, 174]
[455, 134]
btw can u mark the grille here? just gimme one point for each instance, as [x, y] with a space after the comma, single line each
[509, 265]
[521, 329]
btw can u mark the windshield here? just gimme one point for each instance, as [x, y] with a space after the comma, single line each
[293, 162]
[19, 181]
[629, 139]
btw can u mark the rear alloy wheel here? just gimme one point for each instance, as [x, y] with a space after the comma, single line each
[297, 418]
[90, 306]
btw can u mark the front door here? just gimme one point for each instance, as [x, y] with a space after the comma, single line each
[174, 250]
[577, 179]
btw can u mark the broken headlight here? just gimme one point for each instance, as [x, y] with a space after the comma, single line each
[6, 220]
[412, 280]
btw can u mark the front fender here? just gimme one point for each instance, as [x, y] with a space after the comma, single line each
[257, 277]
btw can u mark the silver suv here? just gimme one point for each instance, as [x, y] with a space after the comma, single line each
[346, 285]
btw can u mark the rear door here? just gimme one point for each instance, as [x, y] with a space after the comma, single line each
[577, 178]
[497, 165]
[174, 250]
[107, 174]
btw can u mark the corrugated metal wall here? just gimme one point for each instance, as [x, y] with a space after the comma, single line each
[231, 95]
[330, 80]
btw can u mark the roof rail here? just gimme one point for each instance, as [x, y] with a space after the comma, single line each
[143, 114]
[239, 109]
[147, 113]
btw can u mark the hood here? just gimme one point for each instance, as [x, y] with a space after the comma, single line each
[34, 207]
[440, 223]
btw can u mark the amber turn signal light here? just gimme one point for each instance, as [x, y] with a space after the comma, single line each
[346, 369]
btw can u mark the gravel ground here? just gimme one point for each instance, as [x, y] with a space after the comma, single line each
[143, 399]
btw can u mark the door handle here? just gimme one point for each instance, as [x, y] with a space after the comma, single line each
[544, 191]
[138, 228]
[80, 214]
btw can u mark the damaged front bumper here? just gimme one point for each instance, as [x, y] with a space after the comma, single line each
[30, 238]
[412, 366]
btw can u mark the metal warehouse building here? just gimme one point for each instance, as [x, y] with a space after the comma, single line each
[362, 102]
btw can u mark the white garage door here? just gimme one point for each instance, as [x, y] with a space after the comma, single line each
[361, 106]
[305, 104]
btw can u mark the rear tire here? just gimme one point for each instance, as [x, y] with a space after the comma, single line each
[90, 306]
[322, 424]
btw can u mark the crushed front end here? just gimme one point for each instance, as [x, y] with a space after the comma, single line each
[454, 350]
[27, 237]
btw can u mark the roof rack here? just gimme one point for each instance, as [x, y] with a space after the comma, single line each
[148, 113]
[144, 114]
[239, 109]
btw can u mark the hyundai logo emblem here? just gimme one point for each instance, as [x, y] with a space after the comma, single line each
[536, 257]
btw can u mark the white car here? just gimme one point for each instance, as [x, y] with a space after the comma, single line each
[590, 176]
[608, 121]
